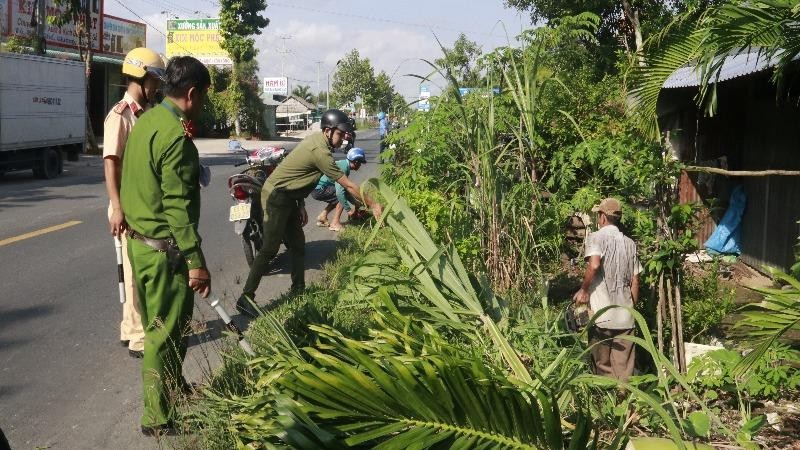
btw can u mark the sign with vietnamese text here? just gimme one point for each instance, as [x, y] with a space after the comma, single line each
[276, 85]
[199, 38]
[21, 12]
[424, 103]
[122, 35]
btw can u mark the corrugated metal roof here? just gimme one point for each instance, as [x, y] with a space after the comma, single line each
[734, 66]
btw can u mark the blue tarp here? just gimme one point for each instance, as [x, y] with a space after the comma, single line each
[727, 238]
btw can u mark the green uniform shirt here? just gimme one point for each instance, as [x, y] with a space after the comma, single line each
[160, 190]
[298, 174]
[325, 181]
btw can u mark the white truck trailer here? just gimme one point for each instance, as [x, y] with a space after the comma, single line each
[42, 113]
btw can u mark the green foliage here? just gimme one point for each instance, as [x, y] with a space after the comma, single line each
[668, 254]
[615, 31]
[234, 94]
[304, 92]
[769, 320]
[774, 376]
[238, 20]
[19, 44]
[705, 302]
[380, 96]
[462, 61]
[354, 78]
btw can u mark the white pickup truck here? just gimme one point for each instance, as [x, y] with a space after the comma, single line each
[42, 113]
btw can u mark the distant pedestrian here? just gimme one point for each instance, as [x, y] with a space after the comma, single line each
[612, 278]
[144, 71]
[161, 199]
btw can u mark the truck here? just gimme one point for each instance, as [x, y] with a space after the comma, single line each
[42, 113]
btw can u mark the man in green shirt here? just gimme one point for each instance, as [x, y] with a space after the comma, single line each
[283, 201]
[160, 195]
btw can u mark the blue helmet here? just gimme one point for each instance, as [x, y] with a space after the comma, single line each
[357, 155]
[381, 115]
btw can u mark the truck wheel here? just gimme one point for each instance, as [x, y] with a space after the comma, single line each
[50, 165]
[73, 154]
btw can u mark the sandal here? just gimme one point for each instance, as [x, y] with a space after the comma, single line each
[336, 229]
[322, 223]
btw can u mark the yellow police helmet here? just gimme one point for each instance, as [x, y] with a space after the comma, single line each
[141, 61]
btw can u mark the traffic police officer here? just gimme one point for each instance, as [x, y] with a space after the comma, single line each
[144, 70]
[283, 201]
[161, 200]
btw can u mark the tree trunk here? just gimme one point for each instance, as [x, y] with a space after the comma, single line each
[632, 16]
[86, 24]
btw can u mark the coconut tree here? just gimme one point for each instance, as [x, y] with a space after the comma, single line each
[304, 92]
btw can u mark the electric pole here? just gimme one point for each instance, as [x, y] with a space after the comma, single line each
[316, 99]
[285, 37]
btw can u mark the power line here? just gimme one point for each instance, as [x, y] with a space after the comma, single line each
[375, 19]
[150, 25]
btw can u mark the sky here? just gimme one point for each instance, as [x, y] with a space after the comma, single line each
[394, 35]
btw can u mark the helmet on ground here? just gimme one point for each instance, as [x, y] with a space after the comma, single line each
[334, 118]
[577, 316]
[381, 115]
[357, 155]
[141, 61]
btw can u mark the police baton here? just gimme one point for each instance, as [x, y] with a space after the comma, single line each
[217, 305]
[120, 272]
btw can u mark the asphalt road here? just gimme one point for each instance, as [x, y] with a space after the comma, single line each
[65, 381]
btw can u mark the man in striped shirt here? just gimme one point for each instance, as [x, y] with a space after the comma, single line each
[611, 279]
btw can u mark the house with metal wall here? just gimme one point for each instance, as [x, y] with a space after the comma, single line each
[756, 128]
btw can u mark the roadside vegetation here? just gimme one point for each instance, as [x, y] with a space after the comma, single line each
[443, 328]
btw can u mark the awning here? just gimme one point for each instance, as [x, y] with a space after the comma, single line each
[292, 114]
[735, 66]
[95, 57]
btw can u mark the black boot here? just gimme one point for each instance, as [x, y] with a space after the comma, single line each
[246, 307]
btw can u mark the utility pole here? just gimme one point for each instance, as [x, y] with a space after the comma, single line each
[285, 37]
[318, 91]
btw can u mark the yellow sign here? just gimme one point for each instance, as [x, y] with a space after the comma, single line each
[199, 38]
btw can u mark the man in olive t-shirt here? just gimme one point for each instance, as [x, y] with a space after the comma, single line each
[283, 202]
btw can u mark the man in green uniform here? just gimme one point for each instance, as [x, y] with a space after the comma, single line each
[161, 198]
[283, 201]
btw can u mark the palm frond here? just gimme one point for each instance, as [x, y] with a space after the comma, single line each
[767, 321]
[423, 396]
[442, 278]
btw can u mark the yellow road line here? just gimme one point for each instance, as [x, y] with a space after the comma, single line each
[22, 237]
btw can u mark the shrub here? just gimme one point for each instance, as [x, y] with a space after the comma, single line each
[705, 302]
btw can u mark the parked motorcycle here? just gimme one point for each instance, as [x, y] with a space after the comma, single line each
[245, 190]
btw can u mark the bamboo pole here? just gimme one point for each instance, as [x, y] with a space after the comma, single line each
[679, 315]
[660, 313]
[673, 322]
[742, 173]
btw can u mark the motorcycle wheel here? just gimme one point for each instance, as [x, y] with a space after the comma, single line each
[249, 250]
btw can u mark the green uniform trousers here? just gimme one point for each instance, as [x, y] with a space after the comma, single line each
[281, 224]
[166, 305]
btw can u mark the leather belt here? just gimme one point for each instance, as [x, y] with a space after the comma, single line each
[160, 245]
